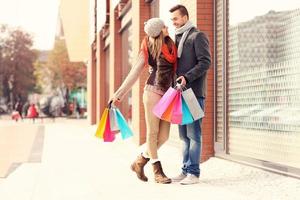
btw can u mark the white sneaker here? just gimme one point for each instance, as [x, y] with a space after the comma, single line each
[190, 179]
[178, 178]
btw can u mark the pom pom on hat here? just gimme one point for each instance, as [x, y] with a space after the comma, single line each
[153, 27]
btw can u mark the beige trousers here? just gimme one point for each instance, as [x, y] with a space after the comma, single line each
[157, 129]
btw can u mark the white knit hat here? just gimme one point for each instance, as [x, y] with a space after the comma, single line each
[153, 27]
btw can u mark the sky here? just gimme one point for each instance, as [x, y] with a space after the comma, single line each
[38, 17]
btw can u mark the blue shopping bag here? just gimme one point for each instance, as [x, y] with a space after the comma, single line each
[123, 126]
[187, 117]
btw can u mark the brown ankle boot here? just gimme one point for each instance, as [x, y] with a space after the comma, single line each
[159, 175]
[138, 167]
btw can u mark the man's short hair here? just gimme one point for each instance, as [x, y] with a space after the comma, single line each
[182, 9]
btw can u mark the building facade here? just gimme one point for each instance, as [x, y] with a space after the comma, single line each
[252, 106]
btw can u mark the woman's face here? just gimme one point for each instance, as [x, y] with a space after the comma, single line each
[165, 31]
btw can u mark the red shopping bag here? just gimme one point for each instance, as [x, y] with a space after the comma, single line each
[108, 135]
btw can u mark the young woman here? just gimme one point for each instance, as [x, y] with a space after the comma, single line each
[158, 52]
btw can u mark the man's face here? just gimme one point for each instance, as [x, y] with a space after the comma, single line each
[177, 19]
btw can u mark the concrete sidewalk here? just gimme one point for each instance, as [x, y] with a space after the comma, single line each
[77, 166]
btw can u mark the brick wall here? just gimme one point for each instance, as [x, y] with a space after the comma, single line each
[115, 51]
[191, 6]
[205, 14]
[101, 72]
[141, 12]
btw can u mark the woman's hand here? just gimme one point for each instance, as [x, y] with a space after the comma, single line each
[114, 100]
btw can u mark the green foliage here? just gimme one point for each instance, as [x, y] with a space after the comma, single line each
[63, 71]
[16, 62]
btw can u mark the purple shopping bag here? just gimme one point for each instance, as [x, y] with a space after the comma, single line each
[176, 117]
[164, 102]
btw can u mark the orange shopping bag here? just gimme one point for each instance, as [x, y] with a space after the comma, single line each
[167, 115]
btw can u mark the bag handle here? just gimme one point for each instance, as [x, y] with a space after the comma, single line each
[109, 105]
[178, 86]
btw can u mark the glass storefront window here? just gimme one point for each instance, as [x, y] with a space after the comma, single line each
[263, 76]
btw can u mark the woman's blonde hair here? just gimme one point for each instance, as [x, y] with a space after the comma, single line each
[155, 45]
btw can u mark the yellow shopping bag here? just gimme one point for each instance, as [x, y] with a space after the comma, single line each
[102, 124]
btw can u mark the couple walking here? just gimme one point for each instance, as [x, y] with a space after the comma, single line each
[185, 61]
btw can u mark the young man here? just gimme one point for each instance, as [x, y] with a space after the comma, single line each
[193, 63]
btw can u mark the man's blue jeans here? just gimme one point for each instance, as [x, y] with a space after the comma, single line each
[190, 135]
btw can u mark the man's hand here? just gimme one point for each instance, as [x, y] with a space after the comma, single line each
[181, 80]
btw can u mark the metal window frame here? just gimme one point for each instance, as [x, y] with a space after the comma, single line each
[221, 148]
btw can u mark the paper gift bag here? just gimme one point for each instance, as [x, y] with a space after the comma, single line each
[176, 117]
[167, 115]
[187, 117]
[123, 126]
[113, 120]
[193, 104]
[164, 102]
[102, 124]
[108, 135]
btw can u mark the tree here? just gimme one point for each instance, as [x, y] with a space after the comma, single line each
[64, 72]
[16, 63]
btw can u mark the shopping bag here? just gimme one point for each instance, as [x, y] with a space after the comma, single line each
[164, 102]
[113, 120]
[108, 135]
[193, 104]
[123, 126]
[102, 123]
[167, 115]
[187, 117]
[176, 117]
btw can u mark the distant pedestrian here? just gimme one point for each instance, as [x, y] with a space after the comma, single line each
[19, 107]
[32, 112]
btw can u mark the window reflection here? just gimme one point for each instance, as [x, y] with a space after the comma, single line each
[264, 71]
[263, 80]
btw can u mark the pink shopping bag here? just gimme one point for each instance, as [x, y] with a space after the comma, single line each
[176, 117]
[167, 115]
[164, 102]
[108, 135]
